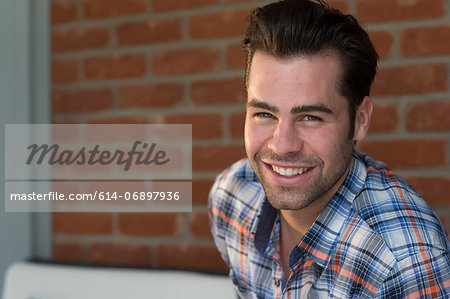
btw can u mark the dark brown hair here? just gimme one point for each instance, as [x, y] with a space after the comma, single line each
[295, 28]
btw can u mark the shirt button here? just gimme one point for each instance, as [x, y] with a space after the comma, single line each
[277, 282]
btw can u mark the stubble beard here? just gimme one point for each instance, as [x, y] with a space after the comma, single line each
[299, 197]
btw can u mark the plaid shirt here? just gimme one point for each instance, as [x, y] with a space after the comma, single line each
[376, 239]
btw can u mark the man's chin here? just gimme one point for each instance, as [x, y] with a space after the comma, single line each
[290, 206]
[282, 201]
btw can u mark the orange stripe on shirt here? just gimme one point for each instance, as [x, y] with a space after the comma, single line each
[230, 221]
[418, 236]
[337, 255]
[428, 291]
[367, 285]
[244, 233]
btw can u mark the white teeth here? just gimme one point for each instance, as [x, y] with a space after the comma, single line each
[288, 171]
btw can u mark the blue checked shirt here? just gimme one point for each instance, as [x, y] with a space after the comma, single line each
[376, 239]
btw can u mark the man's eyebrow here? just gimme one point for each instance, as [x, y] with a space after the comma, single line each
[311, 108]
[295, 110]
[258, 104]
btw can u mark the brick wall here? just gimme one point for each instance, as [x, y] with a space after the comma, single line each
[179, 61]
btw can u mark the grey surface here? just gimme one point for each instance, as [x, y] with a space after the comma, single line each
[24, 77]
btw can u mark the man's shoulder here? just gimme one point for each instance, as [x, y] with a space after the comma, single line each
[240, 171]
[397, 213]
[237, 193]
[237, 180]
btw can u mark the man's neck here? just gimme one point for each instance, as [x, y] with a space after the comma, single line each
[295, 223]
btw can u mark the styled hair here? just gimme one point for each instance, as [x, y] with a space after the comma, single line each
[296, 28]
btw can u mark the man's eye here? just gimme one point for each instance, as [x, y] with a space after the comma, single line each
[263, 115]
[311, 118]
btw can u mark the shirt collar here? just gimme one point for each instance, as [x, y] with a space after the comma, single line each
[265, 226]
[321, 237]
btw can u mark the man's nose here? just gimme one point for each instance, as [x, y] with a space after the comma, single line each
[285, 139]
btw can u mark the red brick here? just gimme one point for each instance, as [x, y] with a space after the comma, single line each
[428, 116]
[220, 24]
[149, 32]
[80, 39]
[216, 157]
[411, 79]
[119, 120]
[124, 254]
[237, 122]
[150, 95]
[383, 42]
[416, 153]
[434, 190]
[82, 223]
[113, 67]
[218, 91]
[398, 10]
[63, 11]
[186, 61]
[425, 41]
[64, 71]
[196, 257]
[204, 126]
[236, 57]
[81, 100]
[384, 118]
[99, 9]
[149, 224]
[200, 191]
[200, 225]
[239, 1]
[341, 5]
[67, 252]
[168, 5]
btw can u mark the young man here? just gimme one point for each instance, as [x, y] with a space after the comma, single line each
[306, 215]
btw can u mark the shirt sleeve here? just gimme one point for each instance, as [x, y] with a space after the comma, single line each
[216, 221]
[425, 274]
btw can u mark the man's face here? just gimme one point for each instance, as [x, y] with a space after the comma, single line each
[296, 128]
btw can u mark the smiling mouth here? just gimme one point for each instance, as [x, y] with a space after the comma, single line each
[289, 172]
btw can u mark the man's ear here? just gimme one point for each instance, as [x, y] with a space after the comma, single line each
[362, 119]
